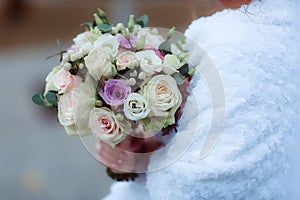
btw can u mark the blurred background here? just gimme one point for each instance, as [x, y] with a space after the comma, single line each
[37, 159]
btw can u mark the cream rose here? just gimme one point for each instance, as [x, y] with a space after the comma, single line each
[74, 108]
[65, 109]
[163, 96]
[136, 107]
[84, 101]
[81, 40]
[171, 64]
[153, 38]
[50, 79]
[126, 60]
[64, 81]
[105, 126]
[107, 43]
[149, 62]
[99, 63]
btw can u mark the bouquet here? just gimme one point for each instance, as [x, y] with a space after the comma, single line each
[115, 81]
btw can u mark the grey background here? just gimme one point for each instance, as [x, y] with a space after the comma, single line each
[37, 159]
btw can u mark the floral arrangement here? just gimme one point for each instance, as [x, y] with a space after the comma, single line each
[115, 79]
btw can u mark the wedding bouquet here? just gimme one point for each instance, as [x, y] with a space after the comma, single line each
[115, 80]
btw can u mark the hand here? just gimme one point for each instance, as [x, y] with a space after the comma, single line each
[121, 158]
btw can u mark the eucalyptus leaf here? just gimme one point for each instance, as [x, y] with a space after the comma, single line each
[184, 70]
[51, 98]
[165, 47]
[179, 79]
[105, 28]
[143, 20]
[38, 99]
[88, 25]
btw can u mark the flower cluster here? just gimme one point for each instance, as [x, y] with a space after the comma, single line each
[116, 78]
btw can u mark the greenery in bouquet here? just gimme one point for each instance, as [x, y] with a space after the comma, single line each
[114, 80]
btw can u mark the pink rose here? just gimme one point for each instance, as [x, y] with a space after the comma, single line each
[64, 81]
[126, 60]
[105, 126]
[156, 51]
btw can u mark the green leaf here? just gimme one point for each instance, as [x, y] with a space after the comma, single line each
[60, 49]
[141, 42]
[168, 130]
[131, 23]
[88, 25]
[105, 20]
[105, 28]
[184, 70]
[183, 40]
[170, 33]
[58, 43]
[51, 98]
[142, 20]
[121, 76]
[179, 79]
[57, 54]
[38, 99]
[165, 47]
[192, 72]
[101, 13]
[179, 46]
[154, 123]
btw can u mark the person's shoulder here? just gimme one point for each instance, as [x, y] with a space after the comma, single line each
[222, 28]
[216, 21]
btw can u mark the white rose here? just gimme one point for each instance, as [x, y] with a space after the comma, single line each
[81, 39]
[86, 48]
[74, 108]
[136, 107]
[65, 109]
[64, 81]
[84, 101]
[105, 126]
[99, 63]
[108, 44]
[153, 38]
[149, 62]
[171, 64]
[126, 60]
[163, 96]
[50, 79]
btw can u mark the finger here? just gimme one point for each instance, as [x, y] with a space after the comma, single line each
[116, 152]
[131, 144]
[109, 155]
[108, 160]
